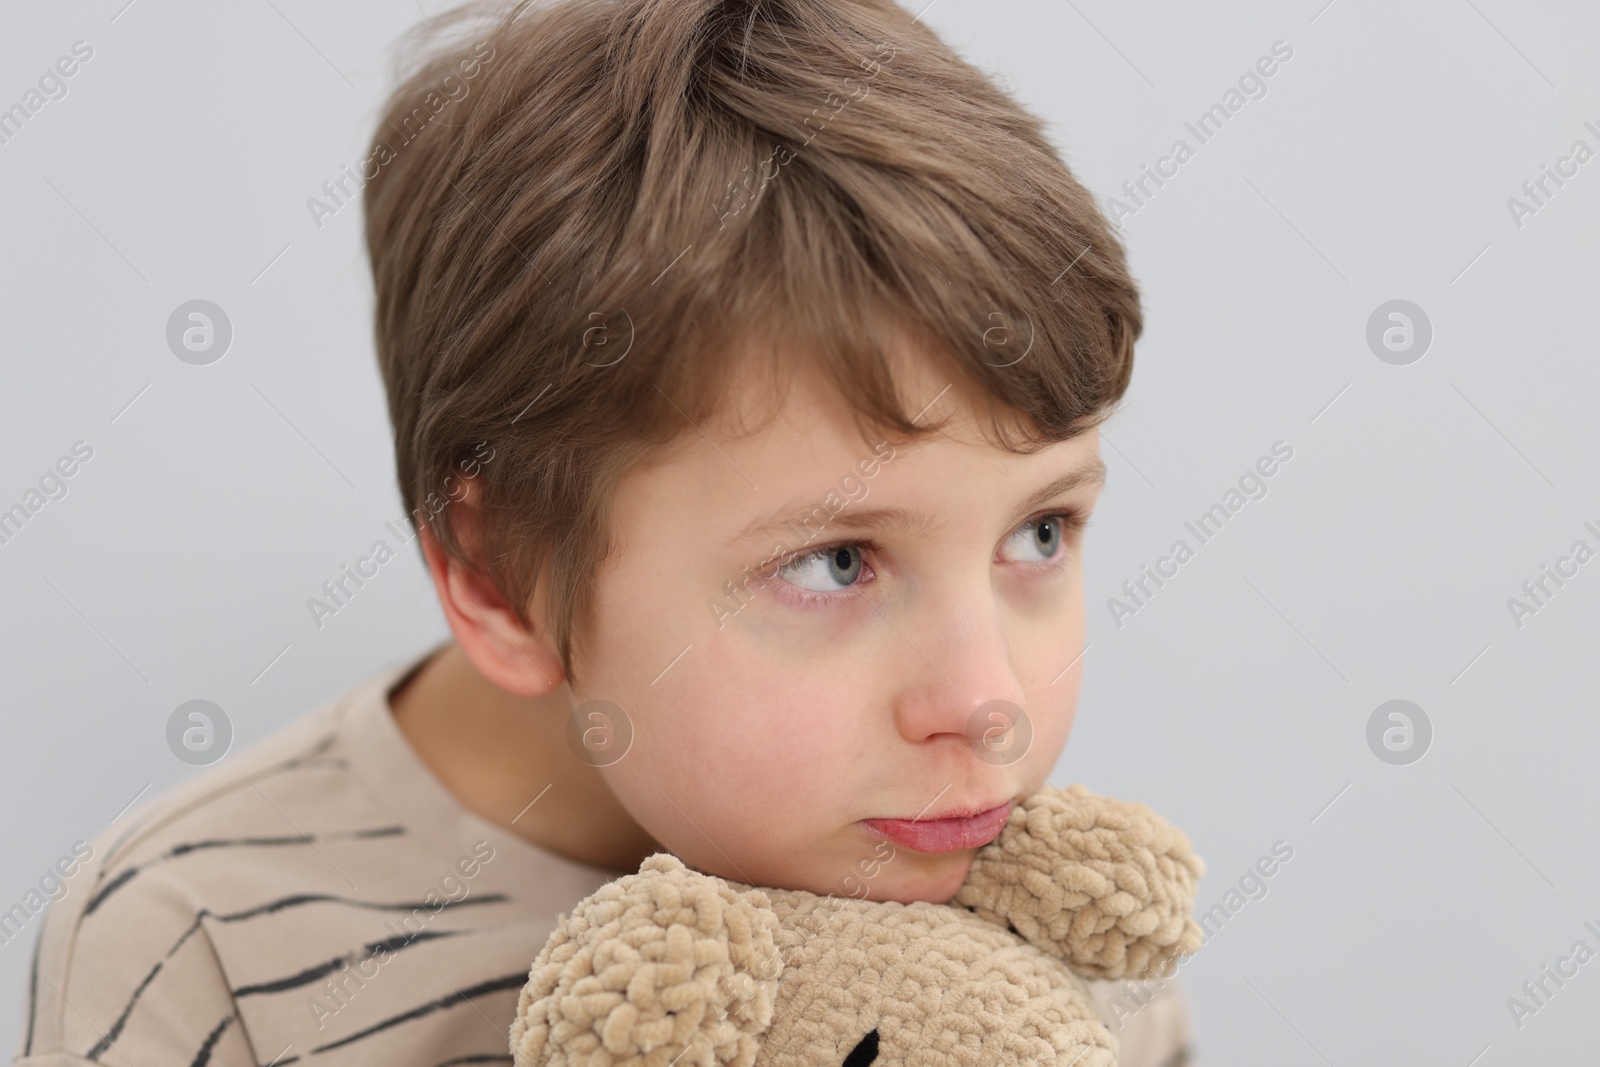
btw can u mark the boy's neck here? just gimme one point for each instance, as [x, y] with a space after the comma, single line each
[496, 752]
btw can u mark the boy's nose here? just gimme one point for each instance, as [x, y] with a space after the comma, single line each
[958, 664]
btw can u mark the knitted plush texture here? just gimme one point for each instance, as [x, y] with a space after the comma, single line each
[647, 967]
[941, 986]
[1107, 885]
[672, 967]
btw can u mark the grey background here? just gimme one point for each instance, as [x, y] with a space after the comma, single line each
[1378, 567]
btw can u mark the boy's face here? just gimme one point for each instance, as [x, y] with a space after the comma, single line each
[855, 684]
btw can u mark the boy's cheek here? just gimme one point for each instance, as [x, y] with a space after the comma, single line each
[1050, 736]
[766, 631]
[740, 787]
[765, 735]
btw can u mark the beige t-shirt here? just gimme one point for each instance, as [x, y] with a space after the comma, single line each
[320, 898]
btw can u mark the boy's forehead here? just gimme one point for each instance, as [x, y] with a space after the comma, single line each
[784, 437]
[783, 396]
[918, 516]
[813, 448]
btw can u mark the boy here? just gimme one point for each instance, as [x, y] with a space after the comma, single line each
[744, 362]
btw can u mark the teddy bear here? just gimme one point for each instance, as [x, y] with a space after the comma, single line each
[670, 966]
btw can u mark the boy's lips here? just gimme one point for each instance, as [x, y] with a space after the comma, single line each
[944, 835]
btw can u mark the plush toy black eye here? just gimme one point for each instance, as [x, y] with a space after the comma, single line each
[865, 1051]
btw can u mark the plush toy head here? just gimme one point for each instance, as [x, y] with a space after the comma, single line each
[673, 967]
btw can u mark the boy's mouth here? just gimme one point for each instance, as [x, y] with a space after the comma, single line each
[944, 835]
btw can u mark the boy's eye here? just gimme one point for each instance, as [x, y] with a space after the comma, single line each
[827, 570]
[1038, 541]
[840, 567]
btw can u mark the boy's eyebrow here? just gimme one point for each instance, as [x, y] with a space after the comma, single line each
[908, 520]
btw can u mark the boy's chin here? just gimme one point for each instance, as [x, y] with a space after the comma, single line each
[934, 878]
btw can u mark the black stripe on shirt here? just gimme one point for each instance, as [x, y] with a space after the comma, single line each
[297, 899]
[273, 906]
[115, 1030]
[187, 847]
[33, 989]
[322, 970]
[493, 985]
[203, 1057]
[312, 758]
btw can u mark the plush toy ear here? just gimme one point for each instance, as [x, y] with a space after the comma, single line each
[664, 966]
[1106, 885]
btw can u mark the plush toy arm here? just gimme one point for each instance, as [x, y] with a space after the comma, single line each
[664, 966]
[1106, 885]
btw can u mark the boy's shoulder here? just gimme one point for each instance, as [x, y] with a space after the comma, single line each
[237, 808]
[246, 907]
[134, 914]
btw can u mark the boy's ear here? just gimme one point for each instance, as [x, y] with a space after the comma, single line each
[517, 659]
